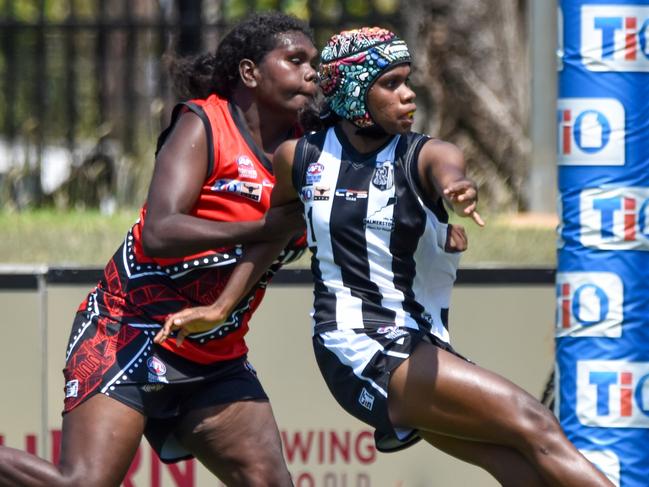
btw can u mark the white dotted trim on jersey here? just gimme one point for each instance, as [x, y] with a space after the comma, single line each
[135, 270]
[92, 311]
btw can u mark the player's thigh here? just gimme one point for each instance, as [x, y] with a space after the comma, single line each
[241, 435]
[437, 391]
[99, 440]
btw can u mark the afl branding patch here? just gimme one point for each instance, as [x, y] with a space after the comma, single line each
[246, 167]
[383, 175]
[314, 172]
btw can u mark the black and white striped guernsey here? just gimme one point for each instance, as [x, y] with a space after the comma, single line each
[378, 245]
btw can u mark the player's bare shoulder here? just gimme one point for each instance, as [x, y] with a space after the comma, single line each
[437, 150]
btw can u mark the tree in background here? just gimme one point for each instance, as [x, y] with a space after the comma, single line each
[82, 85]
[472, 81]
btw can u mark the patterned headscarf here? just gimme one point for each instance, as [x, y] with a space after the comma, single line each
[351, 62]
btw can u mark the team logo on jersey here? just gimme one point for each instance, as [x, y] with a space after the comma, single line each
[314, 172]
[351, 194]
[366, 399]
[383, 175]
[72, 388]
[248, 190]
[246, 167]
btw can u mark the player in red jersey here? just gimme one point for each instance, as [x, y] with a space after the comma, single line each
[209, 195]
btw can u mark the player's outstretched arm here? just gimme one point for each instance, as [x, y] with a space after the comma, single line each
[442, 170]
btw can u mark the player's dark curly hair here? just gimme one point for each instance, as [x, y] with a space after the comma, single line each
[218, 72]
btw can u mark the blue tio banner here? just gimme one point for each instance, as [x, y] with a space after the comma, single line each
[602, 328]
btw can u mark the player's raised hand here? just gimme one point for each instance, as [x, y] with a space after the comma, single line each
[463, 196]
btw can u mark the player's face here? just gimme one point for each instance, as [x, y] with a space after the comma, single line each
[391, 102]
[287, 80]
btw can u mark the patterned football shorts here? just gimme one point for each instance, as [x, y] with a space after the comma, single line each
[122, 362]
[356, 365]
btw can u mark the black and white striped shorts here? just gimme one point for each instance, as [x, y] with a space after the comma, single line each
[356, 365]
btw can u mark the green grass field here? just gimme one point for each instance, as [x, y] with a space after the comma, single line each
[88, 238]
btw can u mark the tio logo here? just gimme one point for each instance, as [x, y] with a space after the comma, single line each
[589, 304]
[615, 38]
[613, 393]
[614, 218]
[590, 132]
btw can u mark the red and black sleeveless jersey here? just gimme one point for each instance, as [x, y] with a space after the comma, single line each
[141, 291]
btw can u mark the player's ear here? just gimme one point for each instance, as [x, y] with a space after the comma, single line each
[248, 73]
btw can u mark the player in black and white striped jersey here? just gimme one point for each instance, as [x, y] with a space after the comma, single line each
[384, 260]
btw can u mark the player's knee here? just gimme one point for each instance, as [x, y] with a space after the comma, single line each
[82, 475]
[537, 427]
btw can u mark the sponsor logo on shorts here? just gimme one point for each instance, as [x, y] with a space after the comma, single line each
[152, 387]
[428, 317]
[366, 399]
[157, 370]
[392, 332]
[72, 388]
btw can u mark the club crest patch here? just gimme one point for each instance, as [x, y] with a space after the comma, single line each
[383, 175]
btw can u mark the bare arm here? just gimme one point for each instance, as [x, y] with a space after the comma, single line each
[442, 173]
[179, 174]
[253, 263]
